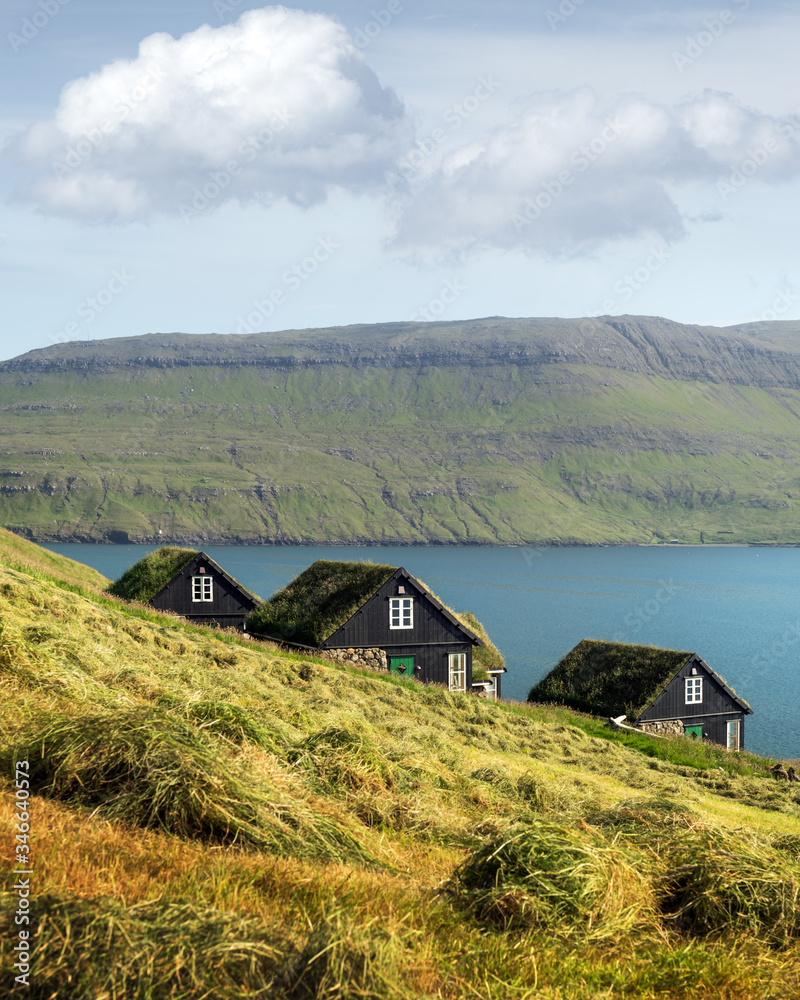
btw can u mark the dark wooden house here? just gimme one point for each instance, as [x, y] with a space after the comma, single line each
[383, 617]
[658, 690]
[188, 583]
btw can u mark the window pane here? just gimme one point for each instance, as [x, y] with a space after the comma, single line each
[458, 671]
[401, 612]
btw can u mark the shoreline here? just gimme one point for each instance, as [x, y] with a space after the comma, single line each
[398, 543]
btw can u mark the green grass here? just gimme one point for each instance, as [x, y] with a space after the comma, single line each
[212, 817]
[463, 447]
[142, 581]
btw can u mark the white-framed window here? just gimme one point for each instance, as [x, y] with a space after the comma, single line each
[694, 690]
[401, 612]
[733, 741]
[202, 588]
[457, 664]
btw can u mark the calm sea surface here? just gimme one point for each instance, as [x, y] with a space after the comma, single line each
[737, 608]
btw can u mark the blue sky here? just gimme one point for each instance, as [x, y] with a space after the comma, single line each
[219, 166]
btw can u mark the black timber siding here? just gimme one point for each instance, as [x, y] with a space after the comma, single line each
[713, 713]
[430, 641]
[230, 606]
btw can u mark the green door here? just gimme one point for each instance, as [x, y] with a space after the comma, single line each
[693, 732]
[402, 665]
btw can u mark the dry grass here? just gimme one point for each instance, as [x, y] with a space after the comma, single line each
[357, 798]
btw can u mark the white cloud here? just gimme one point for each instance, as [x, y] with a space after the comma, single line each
[571, 171]
[279, 104]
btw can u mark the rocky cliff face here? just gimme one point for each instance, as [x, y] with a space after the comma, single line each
[494, 431]
[744, 356]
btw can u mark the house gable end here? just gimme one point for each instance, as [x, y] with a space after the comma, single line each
[716, 698]
[432, 622]
[228, 596]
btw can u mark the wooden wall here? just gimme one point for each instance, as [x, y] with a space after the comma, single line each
[715, 710]
[229, 608]
[430, 641]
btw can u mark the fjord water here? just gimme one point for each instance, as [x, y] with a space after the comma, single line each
[736, 607]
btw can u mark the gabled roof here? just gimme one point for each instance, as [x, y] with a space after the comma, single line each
[147, 578]
[610, 678]
[325, 597]
[318, 601]
[486, 656]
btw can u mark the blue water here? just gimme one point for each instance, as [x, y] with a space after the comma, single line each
[736, 607]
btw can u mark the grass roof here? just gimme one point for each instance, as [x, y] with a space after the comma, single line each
[326, 595]
[318, 601]
[609, 678]
[486, 657]
[143, 580]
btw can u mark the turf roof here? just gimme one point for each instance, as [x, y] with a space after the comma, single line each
[143, 580]
[609, 678]
[326, 595]
[486, 657]
[318, 601]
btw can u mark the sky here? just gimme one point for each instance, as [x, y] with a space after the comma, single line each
[217, 166]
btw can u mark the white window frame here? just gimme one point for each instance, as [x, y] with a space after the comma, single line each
[202, 589]
[694, 691]
[457, 671]
[401, 612]
[733, 728]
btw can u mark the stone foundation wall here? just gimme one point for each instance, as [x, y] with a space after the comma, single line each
[662, 728]
[374, 659]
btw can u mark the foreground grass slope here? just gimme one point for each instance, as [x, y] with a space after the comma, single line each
[212, 817]
[498, 432]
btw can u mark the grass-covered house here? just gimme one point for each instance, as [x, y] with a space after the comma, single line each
[658, 690]
[188, 583]
[383, 617]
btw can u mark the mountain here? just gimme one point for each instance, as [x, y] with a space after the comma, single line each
[494, 431]
[204, 815]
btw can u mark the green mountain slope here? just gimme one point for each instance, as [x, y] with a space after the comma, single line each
[496, 431]
[207, 816]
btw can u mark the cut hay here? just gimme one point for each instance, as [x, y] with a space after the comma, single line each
[545, 874]
[154, 770]
[100, 948]
[345, 960]
[344, 760]
[220, 718]
[141, 766]
[718, 884]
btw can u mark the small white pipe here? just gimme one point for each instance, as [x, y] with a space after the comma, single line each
[618, 724]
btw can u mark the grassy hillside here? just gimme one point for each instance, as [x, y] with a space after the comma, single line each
[496, 432]
[211, 817]
[38, 563]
